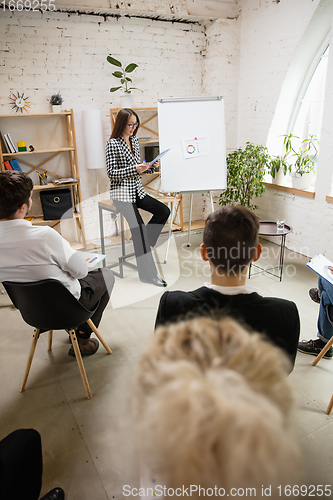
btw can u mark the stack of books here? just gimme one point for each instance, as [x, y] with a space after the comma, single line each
[12, 165]
[9, 146]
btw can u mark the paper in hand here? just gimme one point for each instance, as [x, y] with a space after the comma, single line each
[320, 265]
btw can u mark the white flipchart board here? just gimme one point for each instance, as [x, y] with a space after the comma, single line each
[194, 130]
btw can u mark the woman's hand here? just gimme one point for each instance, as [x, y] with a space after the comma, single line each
[142, 167]
[330, 268]
[156, 164]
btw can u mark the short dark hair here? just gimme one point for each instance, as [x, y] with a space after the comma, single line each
[15, 190]
[121, 122]
[231, 237]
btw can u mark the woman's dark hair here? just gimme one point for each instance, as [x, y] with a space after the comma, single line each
[121, 122]
[15, 190]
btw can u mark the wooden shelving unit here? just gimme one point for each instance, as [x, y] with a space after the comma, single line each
[33, 128]
[148, 131]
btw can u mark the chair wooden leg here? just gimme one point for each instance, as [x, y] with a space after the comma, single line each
[49, 345]
[30, 358]
[99, 336]
[330, 406]
[80, 363]
[323, 351]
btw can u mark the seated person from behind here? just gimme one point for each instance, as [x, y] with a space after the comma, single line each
[213, 407]
[32, 253]
[21, 466]
[230, 244]
[322, 295]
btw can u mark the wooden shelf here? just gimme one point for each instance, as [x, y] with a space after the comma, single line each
[54, 150]
[148, 123]
[307, 193]
[65, 134]
[50, 185]
[40, 220]
[29, 115]
[151, 141]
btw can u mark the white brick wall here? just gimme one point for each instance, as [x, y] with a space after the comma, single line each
[270, 33]
[221, 70]
[44, 53]
[245, 60]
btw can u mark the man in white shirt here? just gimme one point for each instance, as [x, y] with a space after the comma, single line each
[230, 244]
[33, 253]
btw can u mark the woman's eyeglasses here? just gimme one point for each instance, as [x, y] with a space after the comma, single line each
[132, 125]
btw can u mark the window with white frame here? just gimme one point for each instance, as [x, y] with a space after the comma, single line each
[309, 110]
[310, 107]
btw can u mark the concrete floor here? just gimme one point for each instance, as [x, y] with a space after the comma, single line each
[88, 444]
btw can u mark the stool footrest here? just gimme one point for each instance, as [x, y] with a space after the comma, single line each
[127, 256]
[129, 264]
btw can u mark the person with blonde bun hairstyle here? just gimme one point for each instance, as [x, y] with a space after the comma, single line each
[213, 409]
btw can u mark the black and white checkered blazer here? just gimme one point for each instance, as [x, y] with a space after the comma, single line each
[125, 182]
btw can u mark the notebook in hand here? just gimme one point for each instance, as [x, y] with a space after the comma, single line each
[158, 157]
[320, 265]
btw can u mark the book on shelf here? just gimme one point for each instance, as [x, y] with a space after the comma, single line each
[64, 180]
[8, 165]
[12, 145]
[8, 144]
[4, 146]
[15, 165]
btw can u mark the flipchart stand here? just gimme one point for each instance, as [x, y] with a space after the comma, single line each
[190, 218]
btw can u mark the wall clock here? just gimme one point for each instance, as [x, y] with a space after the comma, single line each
[19, 102]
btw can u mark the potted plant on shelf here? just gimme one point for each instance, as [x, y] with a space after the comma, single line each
[56, 101]
[279, 166]
[126, 82]
[303, 165]
[245, 175]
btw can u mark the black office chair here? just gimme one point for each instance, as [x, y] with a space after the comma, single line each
[329, 312]
[47, 305]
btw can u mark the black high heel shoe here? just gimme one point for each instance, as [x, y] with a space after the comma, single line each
[154, 280]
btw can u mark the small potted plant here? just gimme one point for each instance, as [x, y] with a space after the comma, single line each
[56, 101]
[125, 80]
[245, 175]
[303, 159]
[279, 166]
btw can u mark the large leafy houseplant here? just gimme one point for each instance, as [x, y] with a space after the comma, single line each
[245, 175]
[122, 74]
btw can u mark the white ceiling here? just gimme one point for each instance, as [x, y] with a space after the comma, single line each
[212, 8]
[187, 10]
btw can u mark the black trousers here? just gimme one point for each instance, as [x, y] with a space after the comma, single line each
[21, 465]
[144, 236]
[97, 285]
